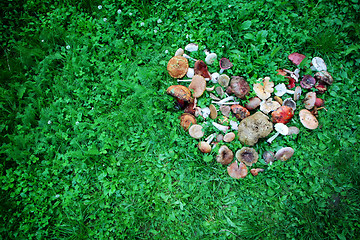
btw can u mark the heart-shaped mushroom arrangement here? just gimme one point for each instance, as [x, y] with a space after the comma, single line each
[251, 124]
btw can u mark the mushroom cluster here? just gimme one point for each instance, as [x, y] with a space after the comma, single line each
[238, 114]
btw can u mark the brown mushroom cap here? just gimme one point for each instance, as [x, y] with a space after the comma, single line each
[225, 110]
[196, 132]
[297, 93]
[284, 153]
[187, 119]
[237, 171]
[268, 157]
[308, 119]
[255, 171]
[200, 68]
[225, 155]
[177, 66]
[239, 86]
[204, 147]
[180, 92]
[213, 111]
[324, 76]
[253, 103]
[229, 137]
[293, 130]
[198, 84]
[247, 155]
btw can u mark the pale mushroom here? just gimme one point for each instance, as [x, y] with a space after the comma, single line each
[280, 128]
[269, 105]
[318, 64]
[284, 153]
[229, 137]
[281, 90]
[247, 155]
[213, 111]
[237, 171]
[293, 130]
[234, 125]
[215, 78]
[220, 127]
[263, 88]
[210, 57]
[198, 84]
[205, 146]
[196, 131]
[190, 73]
[297, 93]
[191, 47]
[269, 157]
[220, 91]
[225, 110]
[310, 99]
[290, 103]
[224, 80]
[179, 52]
[308, 120]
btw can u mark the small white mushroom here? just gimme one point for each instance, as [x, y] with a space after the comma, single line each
[220, 127]
[281, 90]
[215, 77]
[234, 125]
[297, 93]
[191, 47]
[205, 112]
[224, 80]
[188, 57]
[190, 73]
[179, 52]
[295, 74]
[280, 128]
[210, 57]
[226, 101]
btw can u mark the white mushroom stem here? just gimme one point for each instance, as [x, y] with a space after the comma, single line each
[210, 89]
[221, 71]
[189, 80]
[226, 103]
[222, 101]
[220, 127]
[273, 138]
[294, 75]
[281, 90]
[188, 57]
[210, 138]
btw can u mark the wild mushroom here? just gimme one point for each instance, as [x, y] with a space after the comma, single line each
[220, 91]
[254, 127]
[297, 93]
[280, 128]
[190, 72]
[198, 84]
[296, 58]
[177, 66]
[310, 99]
[220, 127]
[308, 120]
[224, 64]
[210, 57]
[269, 157]
[179, 52]
[219, 138]
[293, 130]
[255, 171]
[281, 90]
[307, 82]
[229, 137]
[215, 78]
[205, 147]
[188, 57]
[253, 103]
[180, 92]
[284, 153]
[196, 131]
[191, 47]
[264, 88]
[278, 99]
[325, 77]
[318, 64]
[247, 155]
[200, 68]
[186, 120]
[234, 125]
[213, 111]
[282, 115]
[295, 74]
[291, 83]
[269, 105]
[225, 110]
[224, 80]
[237, 171]
[290, 103]
[319, 102]
[320, 87]
[225, 155]
[239, 86]
[239, 111]
[226, 101]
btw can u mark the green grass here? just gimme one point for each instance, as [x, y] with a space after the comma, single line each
[91, 146]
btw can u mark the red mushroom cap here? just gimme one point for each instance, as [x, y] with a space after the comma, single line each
[200, 68]
[282, 115]
[240, 111]
[296, 58]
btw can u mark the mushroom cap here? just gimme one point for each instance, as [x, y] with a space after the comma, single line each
[177, 66]
[253, 103]
[321, 88]
[220, 91]
[190, 72]
[247, 155]
[264, 88]
[225, 63]
[268, 157]
[215, 77]
[198, 84]
[237, 171]
[191, 47]
[319, 102]
[200, 68]
[296, 58]
[204, 147]
[307, 82]
[229, 137]
[239, 86]
[278, 99]
[281, 128]
[213, 111]
[179, 52]
[224, 80]
[284, 153]
[225, 110]
[225, 155]
[282, 115]
[186, 120]
[280, 89]
[240, 111]
[290, 103]
[255, 171]
[180, 92]
[196, 131]
[254, 127]
[269, 105]
[297, 93]
[307, 119]
[324, 76]
[210, 58]
[310, 99]
[318, 64]
[293, 130]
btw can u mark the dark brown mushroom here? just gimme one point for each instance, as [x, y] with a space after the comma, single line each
[239, 86]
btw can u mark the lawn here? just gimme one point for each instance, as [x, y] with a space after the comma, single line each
[91, 145]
